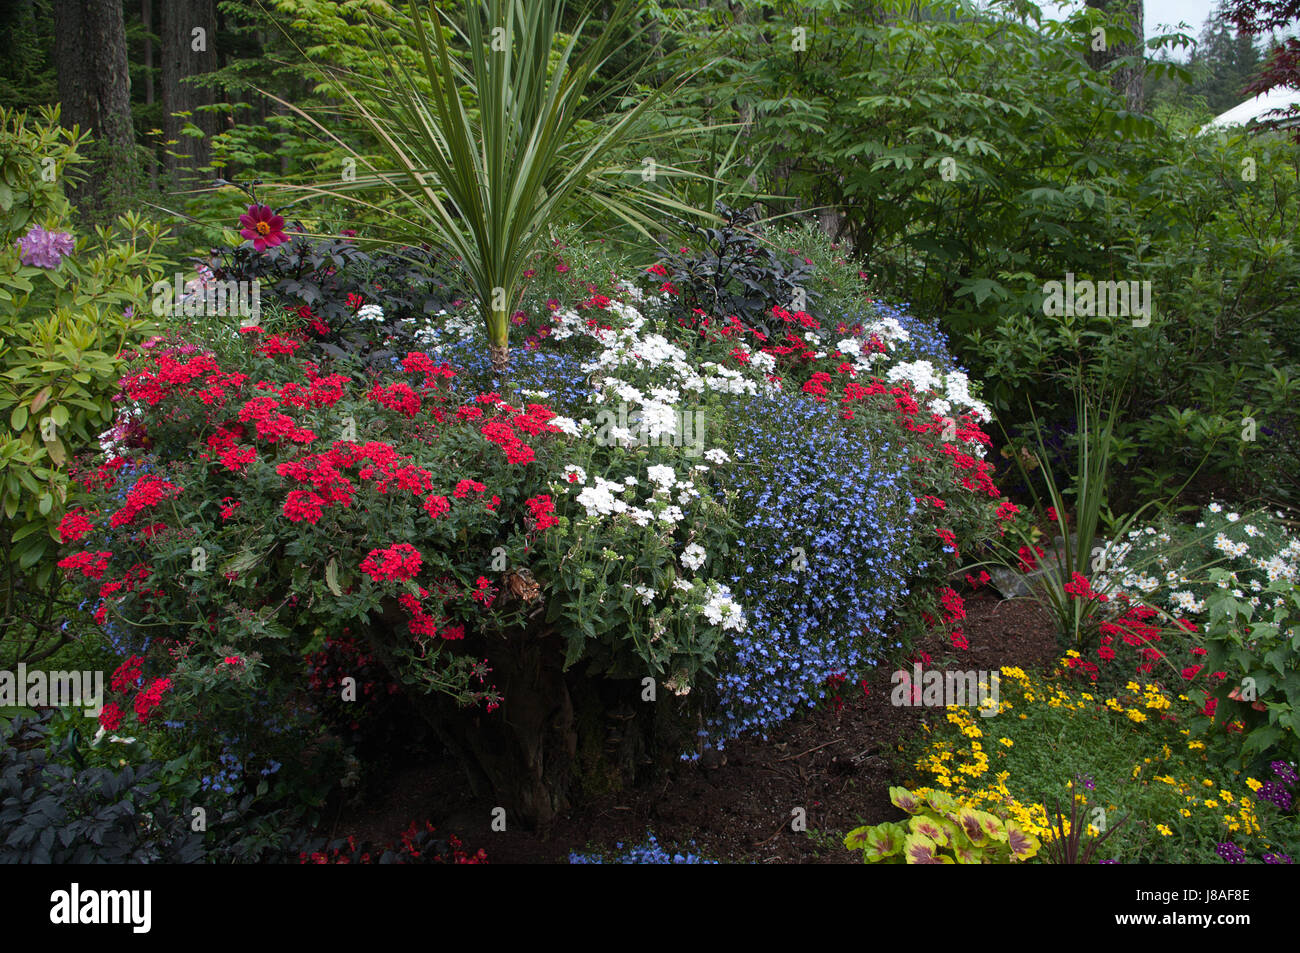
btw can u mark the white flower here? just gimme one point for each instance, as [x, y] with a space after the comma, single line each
[671, 515]
[663, 476]
[1231, 517]
[1215, 508]
[370, 312]
[717, 455]
[721, 609]
[693, 556]
[565, 424]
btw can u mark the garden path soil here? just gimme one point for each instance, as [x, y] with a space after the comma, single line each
[838, 766]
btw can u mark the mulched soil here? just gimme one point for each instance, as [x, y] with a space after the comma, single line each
[836, 765]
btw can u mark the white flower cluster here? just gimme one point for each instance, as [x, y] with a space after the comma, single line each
[941, 391]
[721, 609]
[1123, 559]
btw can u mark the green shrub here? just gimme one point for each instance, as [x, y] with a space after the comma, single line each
[70, 308]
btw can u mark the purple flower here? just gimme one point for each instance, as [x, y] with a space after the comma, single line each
[1277, 859]
[1276, 793]
[1285, 772]
[1231, 853]
[44, 249]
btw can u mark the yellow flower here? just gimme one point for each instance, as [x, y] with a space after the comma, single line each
[1136, 716]
[1006, 741]
[1211, 803]
[1226, 795]
[1164, 830]
[1195, 745]
[1208, 783]
[1185, 812]
[1253, 784]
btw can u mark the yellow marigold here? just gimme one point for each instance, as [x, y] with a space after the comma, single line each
[1208, 783]
[1185, 812]
[1253, 784]
[1211, 803]
[1136, 716]
[1227, 796]
[1195, 745]
[1006, 741]
[1166, 832]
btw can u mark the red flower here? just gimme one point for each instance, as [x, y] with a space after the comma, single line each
[483, 591]
[278, 344]
[399, 561]
[437, 506]
[128, 674]
[92, 565]
[1028, 560]
[398, 397]
[236, 458]
[303, 506]
[151, 697]
[954, 607]
[74, 525]
[262, 227]
[111, 717]
[464, 487]
[543, 510]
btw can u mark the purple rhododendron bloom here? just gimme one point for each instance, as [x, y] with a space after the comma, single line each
[44, 249]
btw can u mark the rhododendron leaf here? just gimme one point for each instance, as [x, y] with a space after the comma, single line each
[332, 577]
[1023, 845]
[905, 800]
[240, 562]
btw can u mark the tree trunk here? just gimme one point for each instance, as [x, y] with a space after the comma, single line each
[95, 92]
[557, 735]
[1128, 80]
[188, 33]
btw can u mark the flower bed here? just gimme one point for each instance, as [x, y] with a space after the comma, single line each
[737, 522]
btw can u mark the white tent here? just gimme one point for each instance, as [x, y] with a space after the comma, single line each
[1256, 108]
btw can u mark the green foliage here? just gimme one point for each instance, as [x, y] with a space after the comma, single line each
[484, 155]
[939, 830]
[64, 333]
[1072, 605]
[971, 155]
[1259, 648]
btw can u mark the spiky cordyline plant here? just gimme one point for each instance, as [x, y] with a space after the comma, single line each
[1076, 618]
[492, 143]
